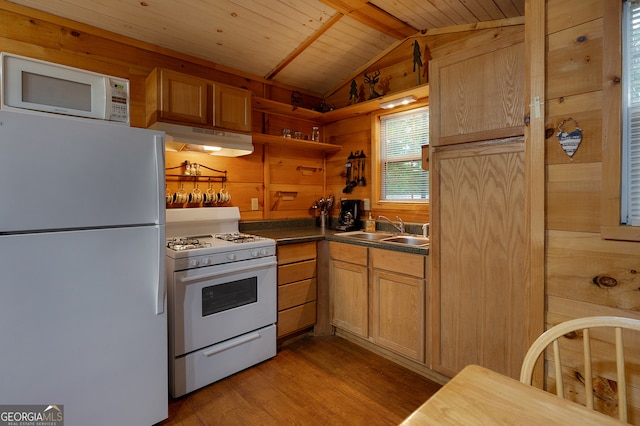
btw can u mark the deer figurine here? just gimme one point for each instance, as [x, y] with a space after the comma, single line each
[372, 81]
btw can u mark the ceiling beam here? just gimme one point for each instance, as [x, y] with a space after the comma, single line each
[372, 16]
[335, 18]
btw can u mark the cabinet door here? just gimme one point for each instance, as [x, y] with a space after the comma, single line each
[398, 313]
[478, 94]
[348, 295]
[481, 300]
[183, 98]
[232, 108]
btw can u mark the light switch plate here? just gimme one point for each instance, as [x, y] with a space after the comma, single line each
[367, 204]
[254, 204]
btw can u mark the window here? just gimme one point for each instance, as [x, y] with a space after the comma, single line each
[402, 135]
[630, 209]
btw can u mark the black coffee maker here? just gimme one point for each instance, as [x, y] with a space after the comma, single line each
[349, 218]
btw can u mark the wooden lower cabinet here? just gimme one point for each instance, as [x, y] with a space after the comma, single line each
[379, 295]
[297, 287]
[398, 286]
[349, 288]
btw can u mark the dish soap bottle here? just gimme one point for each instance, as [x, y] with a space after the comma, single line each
[370, 224]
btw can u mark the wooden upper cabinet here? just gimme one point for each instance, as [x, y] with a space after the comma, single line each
[472, 107]
[232, 108]
[176, 97]
[184, 99]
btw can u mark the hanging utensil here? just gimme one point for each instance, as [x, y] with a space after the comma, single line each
[347, 189]
[362, 181]
[329, 204]
[354, 181]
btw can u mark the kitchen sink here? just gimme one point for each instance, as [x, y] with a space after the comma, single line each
[384, 237]
[407, 239]
[368, 236]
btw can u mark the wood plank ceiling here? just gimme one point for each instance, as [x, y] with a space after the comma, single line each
[311, 44]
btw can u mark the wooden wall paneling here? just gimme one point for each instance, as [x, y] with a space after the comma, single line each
[574, 60]
[353, 135]
[573, 197]
[581, 266]
[585, 274]
[245, 180]
[296, 180]
[444, 43]
[283, 94]
[586, 109]
[563, 14]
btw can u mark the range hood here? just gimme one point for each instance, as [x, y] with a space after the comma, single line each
[210, 141]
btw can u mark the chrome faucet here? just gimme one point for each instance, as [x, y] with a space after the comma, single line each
[425, 230]
[399, 226]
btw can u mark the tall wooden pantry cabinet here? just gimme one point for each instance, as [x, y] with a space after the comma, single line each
[480, 295]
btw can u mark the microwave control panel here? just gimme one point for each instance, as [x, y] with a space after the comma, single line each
[119, 90]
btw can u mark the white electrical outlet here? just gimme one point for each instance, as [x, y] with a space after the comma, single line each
[254, 204]
[367, 204]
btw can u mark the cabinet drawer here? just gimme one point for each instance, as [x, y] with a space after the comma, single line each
[296, 271]
[296, 293]
[350, 253]
[395, 261]
[290, 253]
[296, 318]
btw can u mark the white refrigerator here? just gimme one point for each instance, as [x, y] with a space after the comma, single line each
[82, 281]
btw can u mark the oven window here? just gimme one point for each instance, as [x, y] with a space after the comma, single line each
[222, 297]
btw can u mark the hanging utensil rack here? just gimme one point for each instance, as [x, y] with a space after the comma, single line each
[220, 177]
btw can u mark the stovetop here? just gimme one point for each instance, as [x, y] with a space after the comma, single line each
[209, 236]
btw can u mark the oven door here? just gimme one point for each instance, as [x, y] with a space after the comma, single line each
[215, 303]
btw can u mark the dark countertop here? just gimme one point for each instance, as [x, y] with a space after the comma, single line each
[283, 234]
[295, 234]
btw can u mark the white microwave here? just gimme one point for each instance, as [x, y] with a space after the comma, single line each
[28, 84]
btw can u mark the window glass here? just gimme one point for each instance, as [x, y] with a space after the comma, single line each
[401, 138]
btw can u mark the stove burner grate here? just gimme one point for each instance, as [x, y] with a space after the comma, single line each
[186, 243]
[238, 237]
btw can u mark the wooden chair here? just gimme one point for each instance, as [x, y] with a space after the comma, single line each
[551, 336]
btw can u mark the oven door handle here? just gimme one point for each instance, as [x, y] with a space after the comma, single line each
[233, 344]
[220, 273]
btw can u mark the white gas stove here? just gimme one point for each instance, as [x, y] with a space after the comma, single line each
[221, 297]
[207, 250]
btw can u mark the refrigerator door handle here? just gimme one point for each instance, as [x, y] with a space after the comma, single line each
[160, 170]
[161, 278]
[161, 181]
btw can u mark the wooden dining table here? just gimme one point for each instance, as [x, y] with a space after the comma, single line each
[478, 396]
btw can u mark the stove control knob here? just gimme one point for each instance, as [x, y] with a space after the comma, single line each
[231, 256]
[193, 263]
[263, 252]
[206, 261]
[254, 253]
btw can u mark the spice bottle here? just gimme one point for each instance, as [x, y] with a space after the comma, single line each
[370, 224]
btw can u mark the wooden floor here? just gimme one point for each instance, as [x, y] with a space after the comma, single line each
[312, 381]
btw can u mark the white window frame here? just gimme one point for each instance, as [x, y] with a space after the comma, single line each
[379, 159]
[630, 167]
